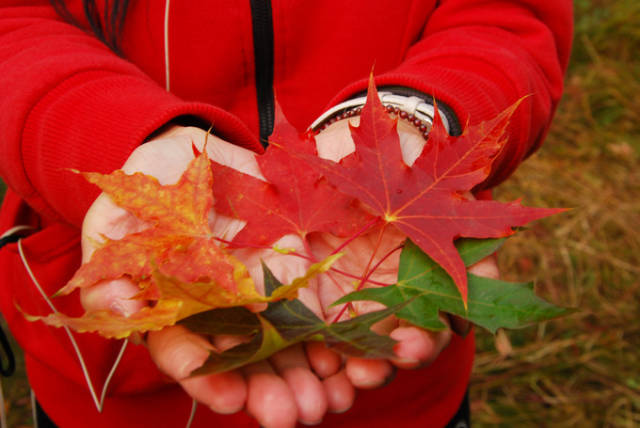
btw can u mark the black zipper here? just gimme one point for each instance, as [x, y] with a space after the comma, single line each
[262, 20]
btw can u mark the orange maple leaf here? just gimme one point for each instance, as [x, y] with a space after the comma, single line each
[176, 262]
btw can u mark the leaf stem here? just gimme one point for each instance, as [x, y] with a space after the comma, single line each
[307, 248]
[377, 265]
[359, 233]
[339, 271]
[306, 257]
[367, 271]
[350, 275]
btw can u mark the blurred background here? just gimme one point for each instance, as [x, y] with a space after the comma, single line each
[582, 370]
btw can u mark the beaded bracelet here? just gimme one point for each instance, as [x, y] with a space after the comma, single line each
[410, 108]
[421, 125]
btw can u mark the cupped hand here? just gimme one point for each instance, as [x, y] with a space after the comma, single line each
[277, 392]
[416, 347]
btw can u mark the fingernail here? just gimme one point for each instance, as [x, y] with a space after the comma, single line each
[307, 423]
[118, 308]
[406, 362]
[188, 367]
[191, 356]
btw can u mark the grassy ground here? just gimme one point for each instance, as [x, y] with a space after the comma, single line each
[16, 392]
[582, 370]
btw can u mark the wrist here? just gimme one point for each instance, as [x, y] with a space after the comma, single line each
[167, 131]
[180, 125]
[334, 140]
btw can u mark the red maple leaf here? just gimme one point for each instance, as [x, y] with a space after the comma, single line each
[426, 201]
[177, 263]
[296, 199]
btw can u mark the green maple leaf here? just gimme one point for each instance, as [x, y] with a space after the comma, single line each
[284, 323]
[428, 289]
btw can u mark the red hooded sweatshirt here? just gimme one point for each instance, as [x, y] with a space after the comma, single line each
[68, 101]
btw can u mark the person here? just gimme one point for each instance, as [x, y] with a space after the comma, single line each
[95, 86]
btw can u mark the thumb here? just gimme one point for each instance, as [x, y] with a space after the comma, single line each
[116, 295]
[106, 220]
[487, 267]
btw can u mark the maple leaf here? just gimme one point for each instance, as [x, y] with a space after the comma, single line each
[202, 296]
[116, 326]
[426, 201]
[176, 300]
[491, 304]
[179, 266]
[178, 231]
[294, 199]
[284, 323]
[176, 262]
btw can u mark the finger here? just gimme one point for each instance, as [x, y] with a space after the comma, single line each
[417, 347]
[223, 342]
[269, 398]
[487, 267]
[384, 326]
[339, 391]
[323, 360]
[224, 393]
[308, 391]
[459, 325]
[368, 374]
[116, 295]
[105, 219]
[178, 352]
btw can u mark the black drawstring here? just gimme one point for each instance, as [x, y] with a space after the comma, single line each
[10, 239]
[10, 367]
[6, 353]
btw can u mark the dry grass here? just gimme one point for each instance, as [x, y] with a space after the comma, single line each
[583, 370]
[17, 397]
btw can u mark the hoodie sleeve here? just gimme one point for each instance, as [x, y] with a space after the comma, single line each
[69, 102]
[479, 57]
